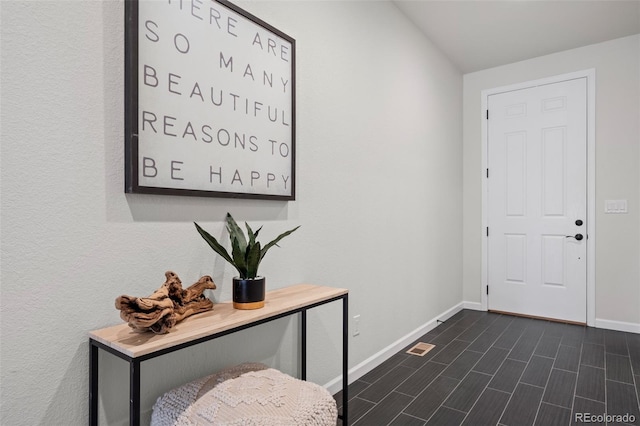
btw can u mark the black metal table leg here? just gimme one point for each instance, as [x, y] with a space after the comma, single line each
[134, 392]
[93, 384]
[303, 345]
[345, 359]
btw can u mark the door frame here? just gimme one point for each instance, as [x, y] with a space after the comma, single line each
[590, 75]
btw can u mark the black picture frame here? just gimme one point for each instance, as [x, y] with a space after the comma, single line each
[243, 92]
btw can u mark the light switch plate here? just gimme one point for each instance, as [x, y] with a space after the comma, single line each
[615, 206]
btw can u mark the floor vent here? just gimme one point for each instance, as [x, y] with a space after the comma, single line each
[420, 349]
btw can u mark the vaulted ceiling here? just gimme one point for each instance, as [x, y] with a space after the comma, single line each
[478, 34]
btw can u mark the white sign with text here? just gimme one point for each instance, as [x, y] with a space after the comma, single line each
[215, 101]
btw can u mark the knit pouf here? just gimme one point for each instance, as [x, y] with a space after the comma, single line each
[247, 395]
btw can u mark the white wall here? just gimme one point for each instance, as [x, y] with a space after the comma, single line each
[617, 65]
[379, 200]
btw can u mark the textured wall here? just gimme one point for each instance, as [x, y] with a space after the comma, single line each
[379, 200]
[617, 168]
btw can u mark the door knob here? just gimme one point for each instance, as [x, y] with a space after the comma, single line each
[577, 236]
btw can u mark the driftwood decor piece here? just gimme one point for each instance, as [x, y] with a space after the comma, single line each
[167, 305]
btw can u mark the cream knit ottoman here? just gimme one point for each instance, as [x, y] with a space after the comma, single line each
[248, 394]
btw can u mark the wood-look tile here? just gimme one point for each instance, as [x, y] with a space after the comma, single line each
[568, 358]
[537, 326]
[547, 346]
[633, 339]
[458, 316]
[386, 410]
[554, 329]
[488, 408]
[354, 389]
[462, 365]
[469, 319]
[560, 388]
[425, 404]
[551, 415]
[386, 384]
[489, 319]
[451, 352]
[575, 330]
[483, 322]
[375, 374]
[618, 368]
[523, 406]
[594, 336]
[550, 369]
[484, 342]
[405, 420]
[582, 407]
[592, 355]
[573, 335]
[637, 378]
[622, 399]
[501, 324]
[572, 342]
[448, 335]
[432, 334]
[591, 383]
[446, 416]
[615, 342]
[357, 408]
[508, 375]
[446, 325]
[634, 355]
[537, 372]
[421, 378]
[509, 338]
[520, 323]
[491, 361]
[523, 350]
[467, 392]
[472, 333]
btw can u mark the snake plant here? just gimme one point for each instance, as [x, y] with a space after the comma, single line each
[246, 253]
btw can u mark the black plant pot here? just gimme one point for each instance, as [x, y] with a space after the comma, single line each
[248, 293]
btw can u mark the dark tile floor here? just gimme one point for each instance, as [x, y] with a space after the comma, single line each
[491, 369]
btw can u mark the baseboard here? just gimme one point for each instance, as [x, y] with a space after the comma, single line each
[378, 358]
[474, 306]
[629, 327]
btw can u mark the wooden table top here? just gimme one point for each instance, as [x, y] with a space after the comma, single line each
[223, 317]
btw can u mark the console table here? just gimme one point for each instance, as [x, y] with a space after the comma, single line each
[135, 347]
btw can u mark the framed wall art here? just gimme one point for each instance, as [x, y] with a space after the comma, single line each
[209, 101]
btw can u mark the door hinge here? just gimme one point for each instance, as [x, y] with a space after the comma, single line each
[487, 173]
[487, 290]
[487, 231]
[487, 114]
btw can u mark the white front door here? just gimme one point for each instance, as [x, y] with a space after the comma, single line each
[537, 201]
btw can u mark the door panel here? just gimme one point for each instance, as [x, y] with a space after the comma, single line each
[516, 158]
[553, 167]
[537, 157]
